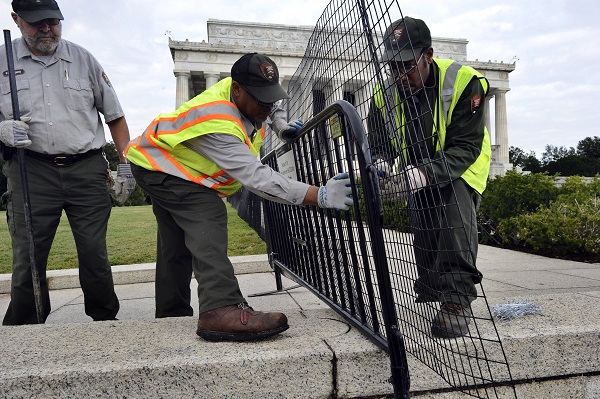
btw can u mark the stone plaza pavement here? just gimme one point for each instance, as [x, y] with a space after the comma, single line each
[555, 354]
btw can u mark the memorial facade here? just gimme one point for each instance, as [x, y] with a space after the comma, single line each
[199, 65]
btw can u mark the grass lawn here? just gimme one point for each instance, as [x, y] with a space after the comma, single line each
[131, 239]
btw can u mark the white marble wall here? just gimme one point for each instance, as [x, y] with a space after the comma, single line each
[198, 65]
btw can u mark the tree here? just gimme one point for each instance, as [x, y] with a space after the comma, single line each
[554, 153]
[589, 147]
[516, 156]
[532, 164]
[528, 162]
[574, 165]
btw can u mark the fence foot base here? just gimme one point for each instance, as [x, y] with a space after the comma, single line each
[275, 292]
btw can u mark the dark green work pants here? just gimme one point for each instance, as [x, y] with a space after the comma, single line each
[81, 191]
[192, 237]
[444, 224]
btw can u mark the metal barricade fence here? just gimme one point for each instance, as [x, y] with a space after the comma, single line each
[368, 263]
[337, 255]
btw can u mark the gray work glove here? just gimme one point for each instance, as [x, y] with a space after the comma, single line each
[397, 188]
[336, 194]
[289, 133]
[14, 133]
[124, 182]
[390, 185]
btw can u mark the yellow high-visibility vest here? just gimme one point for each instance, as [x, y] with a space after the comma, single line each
[453, 79]
[161, 148]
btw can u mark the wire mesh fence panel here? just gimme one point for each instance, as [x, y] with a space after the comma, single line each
[414, 231]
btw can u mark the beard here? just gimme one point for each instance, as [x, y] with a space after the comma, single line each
[43, 46]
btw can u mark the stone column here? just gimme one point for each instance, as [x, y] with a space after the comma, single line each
[488, 121]
[501, 126]
[285, 103]
[211, 78]
[337, 91]
[284, 83]
[182, 90]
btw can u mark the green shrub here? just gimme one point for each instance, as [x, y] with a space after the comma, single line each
[568, 228]
[575, 188]
[565, 224]
[515, 194]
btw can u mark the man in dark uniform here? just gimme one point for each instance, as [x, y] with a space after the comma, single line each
[427, 133]
[61, 90]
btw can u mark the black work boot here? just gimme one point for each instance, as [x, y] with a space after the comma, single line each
[451, 321]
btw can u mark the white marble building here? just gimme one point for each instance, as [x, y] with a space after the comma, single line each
[199, 65]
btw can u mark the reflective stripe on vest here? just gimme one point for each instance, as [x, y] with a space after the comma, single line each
[162, 147]
[454, 78]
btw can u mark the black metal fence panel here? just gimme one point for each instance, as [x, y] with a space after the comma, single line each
[386, 264]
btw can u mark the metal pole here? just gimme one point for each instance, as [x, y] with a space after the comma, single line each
[35, 275]
[399, 364]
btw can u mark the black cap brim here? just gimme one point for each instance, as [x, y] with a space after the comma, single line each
[268, 94]
[401, 56]
[39, 15]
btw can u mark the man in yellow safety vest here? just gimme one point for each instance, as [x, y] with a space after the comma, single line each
[187, 161]
[427, 133]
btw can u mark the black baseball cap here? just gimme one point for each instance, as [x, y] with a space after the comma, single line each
[260, 76]
[405, 39]
[36, 10]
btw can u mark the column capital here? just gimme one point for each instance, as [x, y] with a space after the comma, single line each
[179, 73]
[494, 91]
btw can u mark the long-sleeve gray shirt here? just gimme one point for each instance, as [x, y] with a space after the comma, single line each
[236, 159]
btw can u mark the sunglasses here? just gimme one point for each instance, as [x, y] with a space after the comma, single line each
[272, 105]
[399, 73]
[47, 21]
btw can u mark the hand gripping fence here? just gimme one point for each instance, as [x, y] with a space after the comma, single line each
[364, 263]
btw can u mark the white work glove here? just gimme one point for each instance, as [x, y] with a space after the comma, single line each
[415, 178]
[289, 133]
[336, 194]
[398, 188]
[124, 183]
[14, 133]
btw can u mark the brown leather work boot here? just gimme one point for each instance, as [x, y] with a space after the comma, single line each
[239, 323]
[451, 321]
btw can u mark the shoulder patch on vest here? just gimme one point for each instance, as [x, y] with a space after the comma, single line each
[105, 77]
[475, 103]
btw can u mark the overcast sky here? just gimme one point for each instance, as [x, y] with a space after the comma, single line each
[554, 90]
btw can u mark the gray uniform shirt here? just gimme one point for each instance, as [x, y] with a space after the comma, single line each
[63, 94]
[235, 158]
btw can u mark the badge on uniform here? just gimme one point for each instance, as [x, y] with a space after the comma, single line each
[475, 103]
[17, 72]
[105, 77]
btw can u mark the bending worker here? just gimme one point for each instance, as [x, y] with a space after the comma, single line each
[187, 161]
[438, 161]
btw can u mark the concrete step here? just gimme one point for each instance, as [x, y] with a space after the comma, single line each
[137, 273]
[320, 356]
[555, 354]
